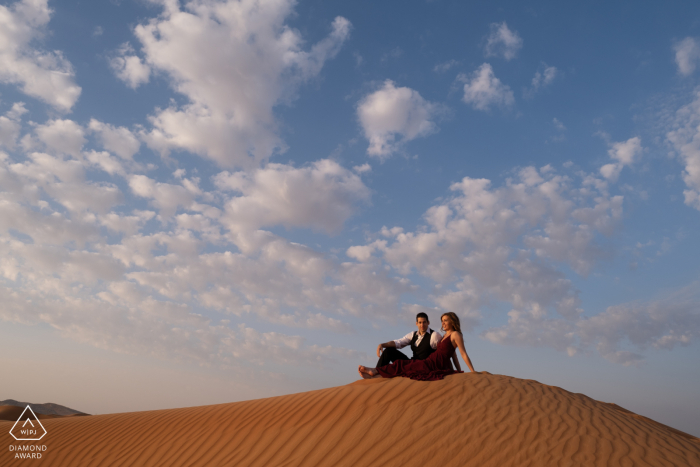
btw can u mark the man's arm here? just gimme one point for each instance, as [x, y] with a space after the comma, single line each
[383, 346]
[435, 339]
[399, 344]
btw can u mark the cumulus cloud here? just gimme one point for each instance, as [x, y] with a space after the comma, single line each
[687, 55]
[152, 281]
[445, 66]
[164, 196]
[660, 324]
[489, 245]
[130, 68]
[115, 323]
[321, 196]
[167, 279]
[623, 154]
[162, 288]
[392, 116]
[234, 61]
[685, 139]
[118, 140]
[502, 42]
[543, 78]
[62, 136]
[10, 125]
[64, 181]
[47, 76]
[482, 90]
[620, 334]
[505, 245]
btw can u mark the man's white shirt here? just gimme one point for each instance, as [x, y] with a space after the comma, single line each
[435, 338]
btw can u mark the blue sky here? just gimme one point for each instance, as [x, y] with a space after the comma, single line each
[211, 201]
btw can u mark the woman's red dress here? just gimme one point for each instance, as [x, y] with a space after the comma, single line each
[433, 368]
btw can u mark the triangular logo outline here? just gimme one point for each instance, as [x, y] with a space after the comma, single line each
[35, 418]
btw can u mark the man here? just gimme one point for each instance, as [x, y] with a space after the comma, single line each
[423, 342]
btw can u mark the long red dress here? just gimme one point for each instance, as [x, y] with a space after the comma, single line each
[433, 368]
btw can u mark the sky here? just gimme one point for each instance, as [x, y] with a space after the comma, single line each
[212, 201]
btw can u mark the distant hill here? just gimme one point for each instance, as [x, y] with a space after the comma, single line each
[45, 409]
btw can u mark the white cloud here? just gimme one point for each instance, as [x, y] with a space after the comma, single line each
[505, 244]
[502, 42]
[181, 333]
[360, 169]
[45, 75]
[390, 113]
[165, 196]
[128, 225]
[104, 161]
[364, 252]
[483, 90]
[685, 138]
[234, 61]
[118, 140]
[320, 196]
[45, 168]
[130, 68]
[619, 334]
[151, 288]
[10, 125]
[161, 288]
[445, 66]
[687, 55]
[661, 324]
[62, 136]
[558, 124]
[624, 154]
[543, 78]
[64, 181]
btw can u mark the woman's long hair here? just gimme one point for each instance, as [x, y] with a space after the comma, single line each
[454, 319]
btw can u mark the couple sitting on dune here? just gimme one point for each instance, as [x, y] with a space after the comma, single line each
[432, 352]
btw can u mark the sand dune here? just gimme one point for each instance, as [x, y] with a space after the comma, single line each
[465, 420]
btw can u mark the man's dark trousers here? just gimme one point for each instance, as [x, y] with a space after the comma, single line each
[390, 355]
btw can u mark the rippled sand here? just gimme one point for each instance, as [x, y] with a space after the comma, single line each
[465, 420]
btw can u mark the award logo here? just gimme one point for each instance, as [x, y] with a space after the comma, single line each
[28, 428]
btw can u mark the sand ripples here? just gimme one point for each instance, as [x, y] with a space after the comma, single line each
[465, 420]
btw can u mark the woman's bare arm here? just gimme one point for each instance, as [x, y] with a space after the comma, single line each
[455, 360]
[457, 339]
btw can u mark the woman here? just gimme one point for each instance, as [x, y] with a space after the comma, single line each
[433, 368]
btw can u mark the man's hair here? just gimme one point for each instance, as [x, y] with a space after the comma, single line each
[422, 315]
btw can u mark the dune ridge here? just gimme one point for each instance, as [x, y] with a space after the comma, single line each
[464, 420]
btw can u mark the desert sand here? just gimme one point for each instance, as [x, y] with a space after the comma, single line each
[464, 420]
